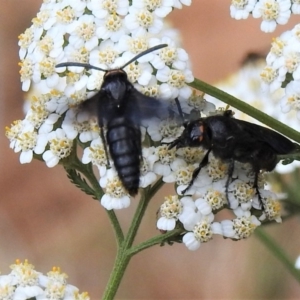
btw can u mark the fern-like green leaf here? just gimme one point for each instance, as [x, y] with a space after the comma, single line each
[80, 182]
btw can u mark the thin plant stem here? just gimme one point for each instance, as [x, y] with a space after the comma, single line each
[124, 253]
[87, 171]
[156, 240]
[278, 252]
[246, 108]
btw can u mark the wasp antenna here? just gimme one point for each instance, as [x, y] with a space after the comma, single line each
[144, 53]
[180, 111]
[76, 64]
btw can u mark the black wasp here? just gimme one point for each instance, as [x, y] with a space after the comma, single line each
[121, 109]
[231, 140]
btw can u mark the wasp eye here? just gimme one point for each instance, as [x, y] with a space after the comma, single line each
[197, 133]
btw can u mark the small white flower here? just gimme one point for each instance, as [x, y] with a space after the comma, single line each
[163, 131]
[160, 8]
[28, 292]
[291, 60]
[28, 141]
[147, 176]
[141, 73]
[291, 100]
[105, 55]
[115, 196]
[172, 56]
[95, 154]
[212, 200]
[271, 205]
[240, 228]
[278, 46]
[78, 5]
[189, 215]
[181, 174]
[295, 7]
[175, 81]
[57, 102]
[26, 72]
[141, 21]
[178, 3]
[272, 78]
[49, 45]
[166, 157]
[86, 127]
[48, 123]
[241, 193]
[241, 9]
[202, 232]
[26, 42]
[272, 12]
[60, 147]
[112, 27]
[83, 33]
[170, 211]
[7, 286]
[24, 282]
[101, 9]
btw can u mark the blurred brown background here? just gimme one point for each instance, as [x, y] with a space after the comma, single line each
[44, 218]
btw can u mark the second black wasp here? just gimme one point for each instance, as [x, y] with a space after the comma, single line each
[121, 109]
[231, 140]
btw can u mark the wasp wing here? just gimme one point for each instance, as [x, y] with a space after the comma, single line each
[141, 107]
[90, 105]
[275, 140]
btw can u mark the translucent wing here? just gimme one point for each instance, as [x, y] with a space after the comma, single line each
[278, 142]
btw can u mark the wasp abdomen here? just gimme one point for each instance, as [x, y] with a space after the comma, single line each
[124, 140]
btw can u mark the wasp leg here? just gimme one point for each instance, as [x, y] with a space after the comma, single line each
[104, 143]
[179, 110]
[229, 178]
[255, 186]
[202, 164]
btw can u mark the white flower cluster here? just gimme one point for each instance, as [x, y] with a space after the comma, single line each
[272, 12]
[26, 283]
[107, 34]
[196, 214]
[245, 84]
[283, 68]
[283, 60]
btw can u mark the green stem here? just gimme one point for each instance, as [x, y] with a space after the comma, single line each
[125, 252]
[116, 226]
[246, 108]
[156, 240]
[87, 171]
[278, 252]
[123, 257]
[121, 263]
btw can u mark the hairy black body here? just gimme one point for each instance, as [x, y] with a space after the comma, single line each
[121, 109]
[231, 140]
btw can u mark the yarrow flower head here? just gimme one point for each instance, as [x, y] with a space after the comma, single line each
[283, 69]
[93, 90]
[106, 34]
[24, 282]
[246, 84]
[272, 12]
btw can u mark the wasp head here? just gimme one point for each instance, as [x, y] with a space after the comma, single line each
[115, 84]
[192, 135]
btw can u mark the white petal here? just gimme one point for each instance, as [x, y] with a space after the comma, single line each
[166, 224]
[26, 156]
[190, 241]
[50, 159]
[216, 228]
